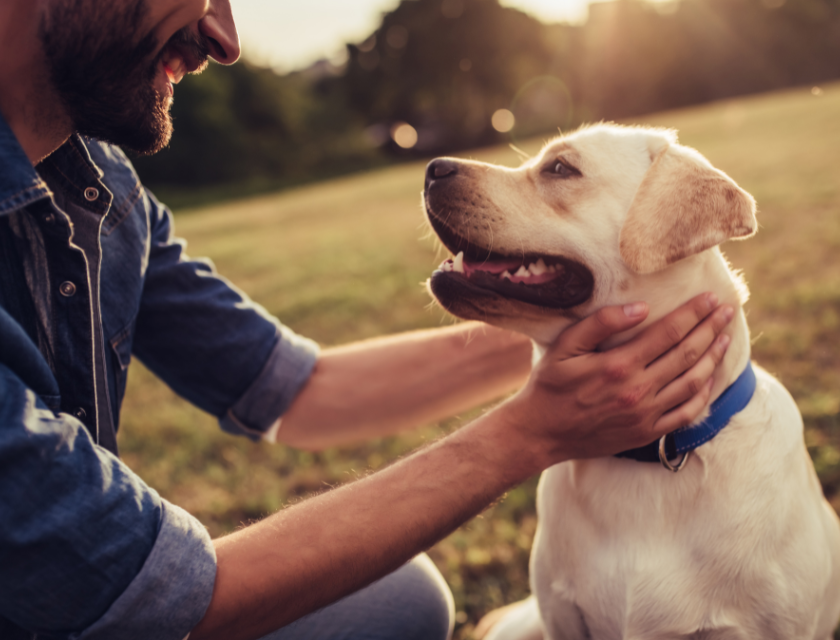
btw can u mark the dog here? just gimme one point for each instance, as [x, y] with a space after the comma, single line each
[740, 543]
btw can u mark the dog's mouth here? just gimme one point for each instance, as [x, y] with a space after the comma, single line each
[552, 282]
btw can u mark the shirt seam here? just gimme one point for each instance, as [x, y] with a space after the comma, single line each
[120, 211]
[40, 185]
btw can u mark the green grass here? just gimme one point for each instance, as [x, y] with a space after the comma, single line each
[344, 260]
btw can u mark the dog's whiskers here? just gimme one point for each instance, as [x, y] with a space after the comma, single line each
[522, 155]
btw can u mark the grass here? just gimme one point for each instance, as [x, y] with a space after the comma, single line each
[344, 260]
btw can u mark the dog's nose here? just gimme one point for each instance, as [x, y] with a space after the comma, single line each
[440, 168]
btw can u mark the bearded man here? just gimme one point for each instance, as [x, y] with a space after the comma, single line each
[91, 274]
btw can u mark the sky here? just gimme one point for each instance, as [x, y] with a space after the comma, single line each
[291, 34]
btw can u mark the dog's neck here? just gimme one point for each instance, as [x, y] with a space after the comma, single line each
[668, 289]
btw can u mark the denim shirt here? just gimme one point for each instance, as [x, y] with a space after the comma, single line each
[90, 274]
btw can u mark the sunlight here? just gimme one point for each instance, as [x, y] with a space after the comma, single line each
[574, 11]
[289, 35]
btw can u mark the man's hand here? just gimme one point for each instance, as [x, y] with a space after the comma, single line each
[581, 403]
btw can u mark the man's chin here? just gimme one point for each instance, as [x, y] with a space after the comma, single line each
[155, 136]
[144, 133]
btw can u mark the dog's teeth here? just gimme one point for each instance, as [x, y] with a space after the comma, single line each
[506, 275]
[538, 268]
[458, 263]
[523, 272]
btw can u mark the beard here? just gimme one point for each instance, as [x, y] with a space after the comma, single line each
[105, 76]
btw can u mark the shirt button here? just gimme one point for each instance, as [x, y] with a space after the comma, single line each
[67, 289]
[91, 194]
[80, 413]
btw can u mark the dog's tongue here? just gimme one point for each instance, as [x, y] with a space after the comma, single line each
[495, 267]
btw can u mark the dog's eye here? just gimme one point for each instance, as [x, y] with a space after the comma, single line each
[562, 170]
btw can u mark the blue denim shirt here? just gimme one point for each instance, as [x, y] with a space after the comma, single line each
[90, 274]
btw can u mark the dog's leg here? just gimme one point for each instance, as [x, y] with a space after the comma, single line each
[519, 621]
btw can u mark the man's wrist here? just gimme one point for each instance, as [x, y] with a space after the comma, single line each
[514, 448]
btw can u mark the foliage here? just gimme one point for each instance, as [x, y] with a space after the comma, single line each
[247, 125]
[445, 66]
[343, 260]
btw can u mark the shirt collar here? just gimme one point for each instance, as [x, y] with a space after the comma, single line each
[20, 184]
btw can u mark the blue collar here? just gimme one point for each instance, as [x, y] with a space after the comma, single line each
[730, 402]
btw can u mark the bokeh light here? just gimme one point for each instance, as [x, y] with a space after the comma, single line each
[503, 120]
[404, 135]
[542, 104]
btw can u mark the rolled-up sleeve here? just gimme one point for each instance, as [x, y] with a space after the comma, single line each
[87, 550]
[211, 343]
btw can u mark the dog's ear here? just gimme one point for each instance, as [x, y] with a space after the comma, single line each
[683, 206]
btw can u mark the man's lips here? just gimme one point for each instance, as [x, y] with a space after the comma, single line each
[174, 65]
[178, 59]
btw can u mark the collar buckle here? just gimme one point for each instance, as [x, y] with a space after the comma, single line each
[663, 458]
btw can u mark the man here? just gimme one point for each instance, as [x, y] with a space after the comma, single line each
[90, 274]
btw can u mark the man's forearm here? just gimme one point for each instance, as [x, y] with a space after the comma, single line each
[577, 404]
[314, 553]
[383, 386]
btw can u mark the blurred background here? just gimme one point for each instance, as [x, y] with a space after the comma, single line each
[299, 172]
[428, 77]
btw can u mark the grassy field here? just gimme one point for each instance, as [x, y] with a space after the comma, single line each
[344, 260]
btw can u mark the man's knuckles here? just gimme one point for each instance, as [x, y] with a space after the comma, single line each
[617, 369]
[674, 330]
[696, 383]
[690, 354]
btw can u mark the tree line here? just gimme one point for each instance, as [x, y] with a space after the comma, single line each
[446, 67]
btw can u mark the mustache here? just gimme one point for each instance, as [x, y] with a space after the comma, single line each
[191, 46]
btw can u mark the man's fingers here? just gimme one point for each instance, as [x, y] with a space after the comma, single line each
[667, 332]
[693, 381]
[699, 343]
[586, 335]
[685, 414]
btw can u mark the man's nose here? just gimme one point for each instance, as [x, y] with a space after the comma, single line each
[218, 27]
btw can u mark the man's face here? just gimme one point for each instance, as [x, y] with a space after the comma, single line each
[114, 64]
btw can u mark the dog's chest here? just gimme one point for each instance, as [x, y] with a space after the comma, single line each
[637, 552]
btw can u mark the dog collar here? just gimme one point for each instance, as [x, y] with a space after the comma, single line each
[686, 440]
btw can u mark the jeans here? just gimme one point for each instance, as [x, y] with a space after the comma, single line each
[413, 603]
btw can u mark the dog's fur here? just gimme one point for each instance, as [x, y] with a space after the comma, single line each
[741, 544]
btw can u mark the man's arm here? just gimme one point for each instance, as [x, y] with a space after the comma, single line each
[578, 404]
[382, 386]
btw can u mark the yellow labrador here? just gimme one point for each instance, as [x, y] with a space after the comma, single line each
[740, 543]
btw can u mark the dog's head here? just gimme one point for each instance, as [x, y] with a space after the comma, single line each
[585, 224]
